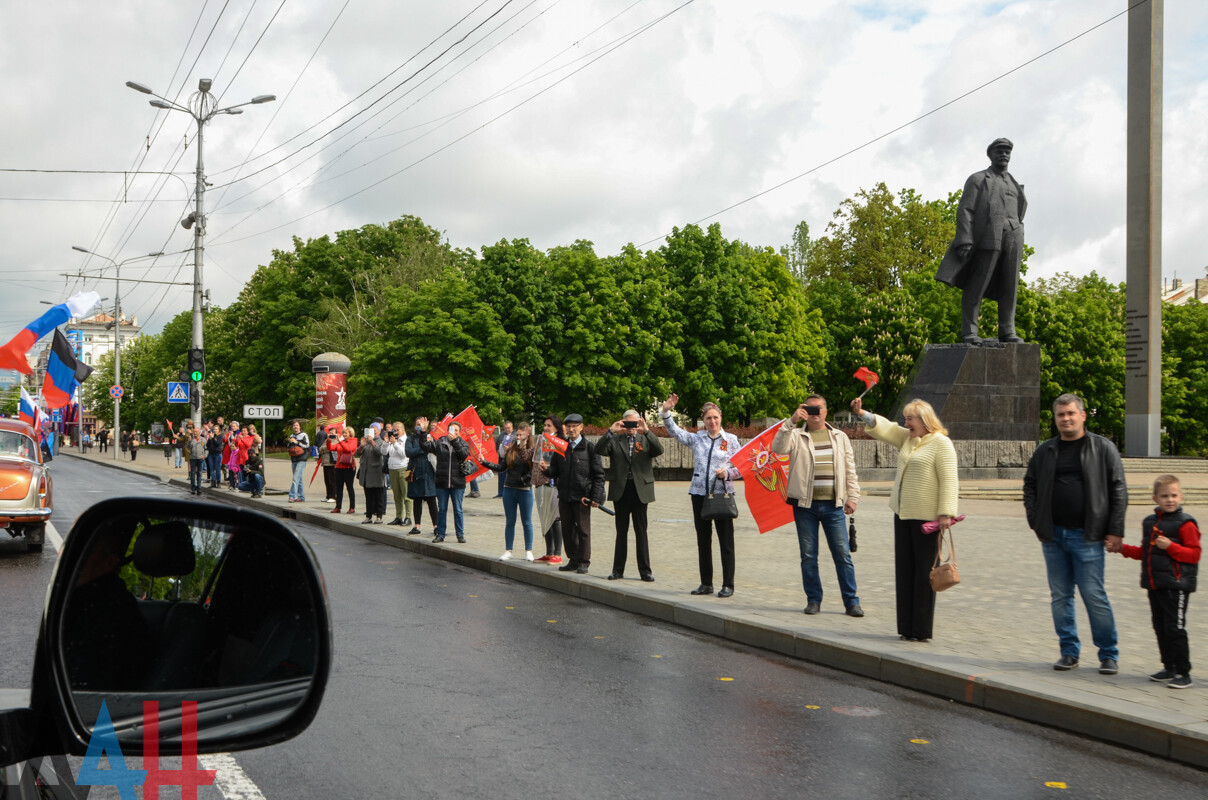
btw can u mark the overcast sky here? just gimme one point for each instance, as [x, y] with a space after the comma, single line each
[677, 112]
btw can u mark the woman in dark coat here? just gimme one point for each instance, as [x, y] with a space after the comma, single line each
[422, 489]
[372, 477]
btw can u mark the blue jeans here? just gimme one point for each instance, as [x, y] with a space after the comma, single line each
[832, 519]
[514, 499]
[442, 505]
[214, 468]
[252, 482]
[195, 473]
[179, 456]
[1072, 561]
[295, 488]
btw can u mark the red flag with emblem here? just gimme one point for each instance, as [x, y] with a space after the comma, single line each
[765, 478]
[869, 377]
[478, 436]
[552, 444]
[441, 428]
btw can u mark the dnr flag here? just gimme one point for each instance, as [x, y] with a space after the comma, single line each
[63, 373]
[12, 355]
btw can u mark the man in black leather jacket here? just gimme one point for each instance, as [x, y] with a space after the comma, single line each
[579, 476]
[1075, 497]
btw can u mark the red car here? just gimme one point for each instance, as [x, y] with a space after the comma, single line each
[25, 484]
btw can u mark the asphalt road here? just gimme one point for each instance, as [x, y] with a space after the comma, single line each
[452, 683]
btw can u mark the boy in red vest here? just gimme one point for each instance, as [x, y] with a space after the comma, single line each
[1169, 556]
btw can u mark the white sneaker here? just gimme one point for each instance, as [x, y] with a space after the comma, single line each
[507, 556]
[528, 555]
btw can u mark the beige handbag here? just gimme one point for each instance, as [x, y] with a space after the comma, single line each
[944, 574]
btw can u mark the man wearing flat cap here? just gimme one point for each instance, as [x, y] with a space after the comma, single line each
[984, 257]
[579, 476]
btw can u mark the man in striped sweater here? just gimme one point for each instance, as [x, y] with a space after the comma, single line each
[822, 488]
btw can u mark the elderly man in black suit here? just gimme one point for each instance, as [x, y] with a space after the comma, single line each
[631, 449]
[984, 257]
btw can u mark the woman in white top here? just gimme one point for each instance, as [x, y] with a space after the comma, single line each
[711, 449]
[924, 489]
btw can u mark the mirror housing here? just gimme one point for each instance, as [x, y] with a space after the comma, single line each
[250, 688]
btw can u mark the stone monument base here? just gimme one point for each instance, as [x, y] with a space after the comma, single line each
[989, 393]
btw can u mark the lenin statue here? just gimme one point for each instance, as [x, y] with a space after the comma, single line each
[984, 257]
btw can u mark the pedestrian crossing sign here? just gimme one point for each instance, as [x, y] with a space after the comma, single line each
[178, 391]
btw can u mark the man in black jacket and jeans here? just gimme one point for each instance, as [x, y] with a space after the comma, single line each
[579, 476]
[1075, 497]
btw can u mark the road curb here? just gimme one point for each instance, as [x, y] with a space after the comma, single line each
[1180, 739]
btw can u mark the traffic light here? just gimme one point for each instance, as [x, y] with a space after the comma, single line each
[197, 364]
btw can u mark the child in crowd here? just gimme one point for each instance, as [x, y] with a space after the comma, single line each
[1169, 556]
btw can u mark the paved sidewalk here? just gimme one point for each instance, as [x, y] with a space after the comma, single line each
[994, 642]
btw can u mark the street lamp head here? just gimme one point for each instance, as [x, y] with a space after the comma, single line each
[233, 111]
[138, 87]
[81, 249]
[204, 84]
[263, 98]
[155, 255]
[160, 104]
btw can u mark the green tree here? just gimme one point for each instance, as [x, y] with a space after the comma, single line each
[1185, 378]
[11, 403]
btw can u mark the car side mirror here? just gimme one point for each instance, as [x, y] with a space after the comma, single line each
[208, 625]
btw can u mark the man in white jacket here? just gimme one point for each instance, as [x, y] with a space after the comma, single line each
[822, 489]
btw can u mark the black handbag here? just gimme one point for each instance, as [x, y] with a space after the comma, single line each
[468, 467]
[718, 505]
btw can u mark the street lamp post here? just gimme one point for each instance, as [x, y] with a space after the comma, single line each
[117, 333]
[202, 107]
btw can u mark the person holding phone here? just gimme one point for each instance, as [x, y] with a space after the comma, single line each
[631, 448]
[373, 477]
[344, 447]
[451, 451]
[822, 488]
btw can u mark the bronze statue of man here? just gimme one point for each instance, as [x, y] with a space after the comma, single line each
[984, 257]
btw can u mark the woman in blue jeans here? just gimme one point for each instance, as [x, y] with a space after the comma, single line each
[517, 469]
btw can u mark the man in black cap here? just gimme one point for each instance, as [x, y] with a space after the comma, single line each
[984, 257]
[579, 476]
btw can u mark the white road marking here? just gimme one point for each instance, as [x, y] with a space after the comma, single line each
[53, 535]
[231, 779]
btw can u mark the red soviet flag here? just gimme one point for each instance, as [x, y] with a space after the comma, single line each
[552, 444]
[478, 437]
[441, 428]
[765, 478]
[869, 377]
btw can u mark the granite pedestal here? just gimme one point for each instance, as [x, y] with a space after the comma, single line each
[981, 393]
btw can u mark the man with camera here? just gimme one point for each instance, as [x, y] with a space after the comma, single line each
[822, 487]
[631, 449]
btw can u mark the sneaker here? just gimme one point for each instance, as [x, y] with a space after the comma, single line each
[461, 540]
[555, 559]
[406, 521]
[1162, 676]
[1108, 666]
[474, 494]
[528, 555]
[437, 539]
[507, 556]
[414, 531]
[545, 558]
[377, 520]
[1180, 682]
[396, 521]
[329, 500]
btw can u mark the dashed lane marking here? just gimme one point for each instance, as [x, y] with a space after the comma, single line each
[231, 780]
[53, 534]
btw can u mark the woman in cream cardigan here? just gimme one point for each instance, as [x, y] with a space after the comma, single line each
[924, 489]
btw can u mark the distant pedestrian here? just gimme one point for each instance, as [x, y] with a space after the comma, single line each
[134, 445]
[372, 476]
[822, 488]
[924, 489]
[1170, 557]
[515, 466]
[421, 485]
[102, 439]
[579, 476]
[545, 495]
[631, 449]
[298, 446]
[394, 451]
[504, 436]
[1075, 497]
[125, 441]
[451, 451]
[214, 456]
[712, 449]
[197, 458]
[344, 447]
[179, 442]
[252, 472]
[327, 462]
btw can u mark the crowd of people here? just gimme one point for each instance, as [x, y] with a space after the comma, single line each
[1074, 495]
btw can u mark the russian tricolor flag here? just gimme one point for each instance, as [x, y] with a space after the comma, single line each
[30, 412]
[63, 373]
[12, 355]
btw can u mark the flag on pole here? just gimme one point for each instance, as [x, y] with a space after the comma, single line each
[478, 436]
[12, 355]
[30, 412]
[63, 373]
[552, 444]
[441, 428]
[869, 377]
[765, 480]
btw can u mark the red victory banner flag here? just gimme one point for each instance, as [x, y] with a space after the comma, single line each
[766, 480]
[478, 437]
[441, 428]
[869, 377]
[552, 444]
